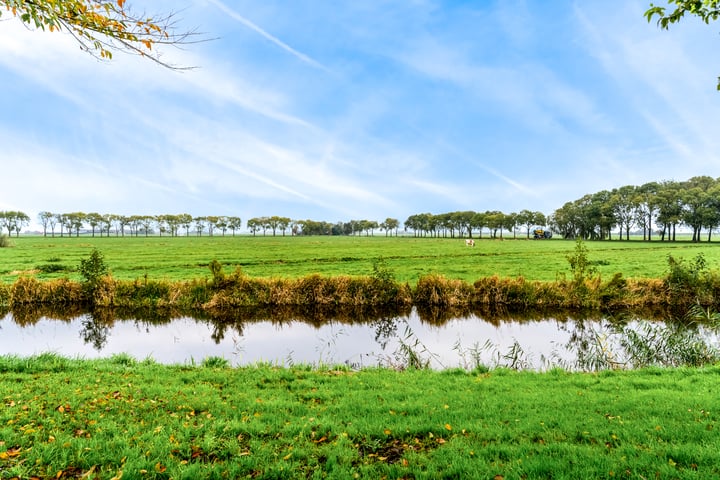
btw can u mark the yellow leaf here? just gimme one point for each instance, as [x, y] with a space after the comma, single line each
[88, 473]
[11, 452]
[120, 3]
[448, 427]
[387, 431]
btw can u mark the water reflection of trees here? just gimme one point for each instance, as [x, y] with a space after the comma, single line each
[94, 331]
[596, 340]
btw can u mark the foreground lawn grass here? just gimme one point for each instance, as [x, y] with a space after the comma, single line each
[409, 258]
[115, 418]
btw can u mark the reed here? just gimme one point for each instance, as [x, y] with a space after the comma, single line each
[5, 293]
[685, 285]
[437, 290]
[239, 290]
[30, 291]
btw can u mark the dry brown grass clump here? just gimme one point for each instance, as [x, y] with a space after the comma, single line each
[31, 291]
[436, 290]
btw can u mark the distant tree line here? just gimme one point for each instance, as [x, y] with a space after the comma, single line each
[694, 204]
[656, 206]
[135, 225]
[465, 223]
[313, 227]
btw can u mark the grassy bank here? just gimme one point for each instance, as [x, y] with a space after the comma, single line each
[686, 284]
[187, 258]
[578, 284]
[111, 418]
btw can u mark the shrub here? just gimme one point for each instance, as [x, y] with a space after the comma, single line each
[93, 267]
[5, 241]
[687, 281]
[52, 268]
[580, 266]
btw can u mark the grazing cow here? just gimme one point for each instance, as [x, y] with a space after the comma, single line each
[470, 242]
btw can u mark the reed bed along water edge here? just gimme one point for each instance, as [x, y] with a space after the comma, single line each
[686, 284]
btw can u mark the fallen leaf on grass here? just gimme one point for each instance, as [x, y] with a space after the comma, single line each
[10, 452]
[88, 473]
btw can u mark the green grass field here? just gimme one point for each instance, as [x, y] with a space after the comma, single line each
[184, 258]
[112, 418]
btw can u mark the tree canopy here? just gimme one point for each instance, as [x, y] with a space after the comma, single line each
[101, 27]
[706, 10]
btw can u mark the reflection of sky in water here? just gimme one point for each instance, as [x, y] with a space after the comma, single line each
[185, 340]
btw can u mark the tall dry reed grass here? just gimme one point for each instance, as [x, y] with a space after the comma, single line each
[434, 294]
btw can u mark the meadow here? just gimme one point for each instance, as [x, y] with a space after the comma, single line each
[408, 258]
[112, 419]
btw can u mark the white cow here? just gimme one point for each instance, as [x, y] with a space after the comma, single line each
[470, 242]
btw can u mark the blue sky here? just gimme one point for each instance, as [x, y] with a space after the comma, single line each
[360, 110]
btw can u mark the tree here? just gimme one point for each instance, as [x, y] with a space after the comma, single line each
[670, 207]
[647, 207]
[253, 225]
[479, 221]
[463, 222]
[275, 222]
[93, 219]
[47, 219]
[185, 220]
[146, 221]
[698, 211]
[389, 225]
[105, 224]
[495, 221]
[73, 221]
[526, 218]
[234, 223]
[212, 222]
[13, 221]
[706, 10]
[624, 208]
[200, 225]
[510, 223]
[102, 27]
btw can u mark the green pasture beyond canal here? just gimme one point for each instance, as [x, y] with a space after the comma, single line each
[112, 418]
[184, 258]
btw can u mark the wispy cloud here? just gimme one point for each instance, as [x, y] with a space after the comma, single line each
[236, 16]
[659, 82]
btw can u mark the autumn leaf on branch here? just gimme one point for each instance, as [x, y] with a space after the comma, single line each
[103, 27]
[705, 10]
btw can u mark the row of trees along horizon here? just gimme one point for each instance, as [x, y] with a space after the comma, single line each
[667, 205]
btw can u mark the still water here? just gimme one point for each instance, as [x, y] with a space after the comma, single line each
[462, 342]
